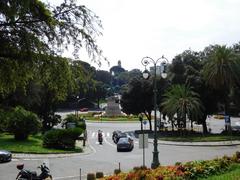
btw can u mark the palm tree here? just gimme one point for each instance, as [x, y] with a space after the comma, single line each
[184, 102]
[222, 71]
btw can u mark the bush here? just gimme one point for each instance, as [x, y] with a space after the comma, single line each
[79, 121]
[91, 176]
[117, 171]
[2, 118]
[21, 123]
[189, 170]
[99, 175]
[61, 138]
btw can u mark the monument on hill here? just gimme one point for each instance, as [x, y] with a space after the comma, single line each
[113, 108]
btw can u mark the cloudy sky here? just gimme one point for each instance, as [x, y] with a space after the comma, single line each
[137, 28]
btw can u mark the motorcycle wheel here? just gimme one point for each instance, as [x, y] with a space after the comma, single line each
[48, 178]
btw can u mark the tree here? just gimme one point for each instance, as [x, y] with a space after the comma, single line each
[176, 71]
[103, 76]
[30, 28]
[193, 72]
[222, 71]
[21, 123]
[183, 102]
[55, 80]
[138, 98]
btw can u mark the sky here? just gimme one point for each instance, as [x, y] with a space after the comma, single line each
[133, 29]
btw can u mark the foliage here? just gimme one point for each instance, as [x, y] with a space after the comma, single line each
[91, 176]
[180, 171]
[61, 138]
[221, 72]
[222, 68]
[2, 119]
[78, 120]
[99, 174]
[182, 101]
[233, 173]
[21, 123]
[31, 28]
[138, 98]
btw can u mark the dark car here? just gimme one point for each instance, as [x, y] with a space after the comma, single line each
[5, 156]
[84, 109]
[125, 144]
[117, 135]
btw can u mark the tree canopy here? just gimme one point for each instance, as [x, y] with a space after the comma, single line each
[32, 28]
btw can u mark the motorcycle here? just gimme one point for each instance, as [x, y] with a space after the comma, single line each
[32, 175]
[100, 137]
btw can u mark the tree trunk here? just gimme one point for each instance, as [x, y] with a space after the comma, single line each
[172, 122]
[204, 124]
[98, 102]
[226, 113]
[191, 125]
[149, 117]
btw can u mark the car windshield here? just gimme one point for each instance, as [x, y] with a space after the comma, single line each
[122, 135]
[123, 140]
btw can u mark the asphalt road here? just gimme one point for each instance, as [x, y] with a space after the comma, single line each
[105, 157]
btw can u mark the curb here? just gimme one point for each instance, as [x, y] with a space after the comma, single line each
[203, 144]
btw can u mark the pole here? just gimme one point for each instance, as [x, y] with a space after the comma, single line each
[143, 143]
[146, 61]
[155, 162]
[80, 174]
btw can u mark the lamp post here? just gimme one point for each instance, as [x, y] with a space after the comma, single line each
[146, 61]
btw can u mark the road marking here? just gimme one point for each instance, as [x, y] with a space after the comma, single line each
[69, 177]
[109, 143]
[15, 159]
[94, 134]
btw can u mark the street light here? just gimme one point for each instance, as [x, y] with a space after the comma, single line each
[146, 61]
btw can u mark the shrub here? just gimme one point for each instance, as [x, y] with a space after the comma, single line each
[91, 176]
[21, 123]
[61, 138]
[79, 121]
[188, 170]
[2, 118]
[99, 175]
[117, 171]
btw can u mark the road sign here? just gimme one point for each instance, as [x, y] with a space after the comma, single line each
[227, 120]
[144, 122]
[143, 141]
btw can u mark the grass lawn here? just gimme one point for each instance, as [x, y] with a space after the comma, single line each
[232, 174]
[32, 145]
[199, 138]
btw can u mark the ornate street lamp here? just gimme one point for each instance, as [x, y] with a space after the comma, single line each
[163, 61]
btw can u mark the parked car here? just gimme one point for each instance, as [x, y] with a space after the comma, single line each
[84, 109]
[117, 135]
[5, 156]
[125, 144]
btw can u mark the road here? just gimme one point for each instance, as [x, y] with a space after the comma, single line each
[105, 157]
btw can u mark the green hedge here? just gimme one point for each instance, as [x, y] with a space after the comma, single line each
[79, 121]
[61, 138]
[19, 122]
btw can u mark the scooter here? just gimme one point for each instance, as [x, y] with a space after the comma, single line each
[100, 138]
[32, 175]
